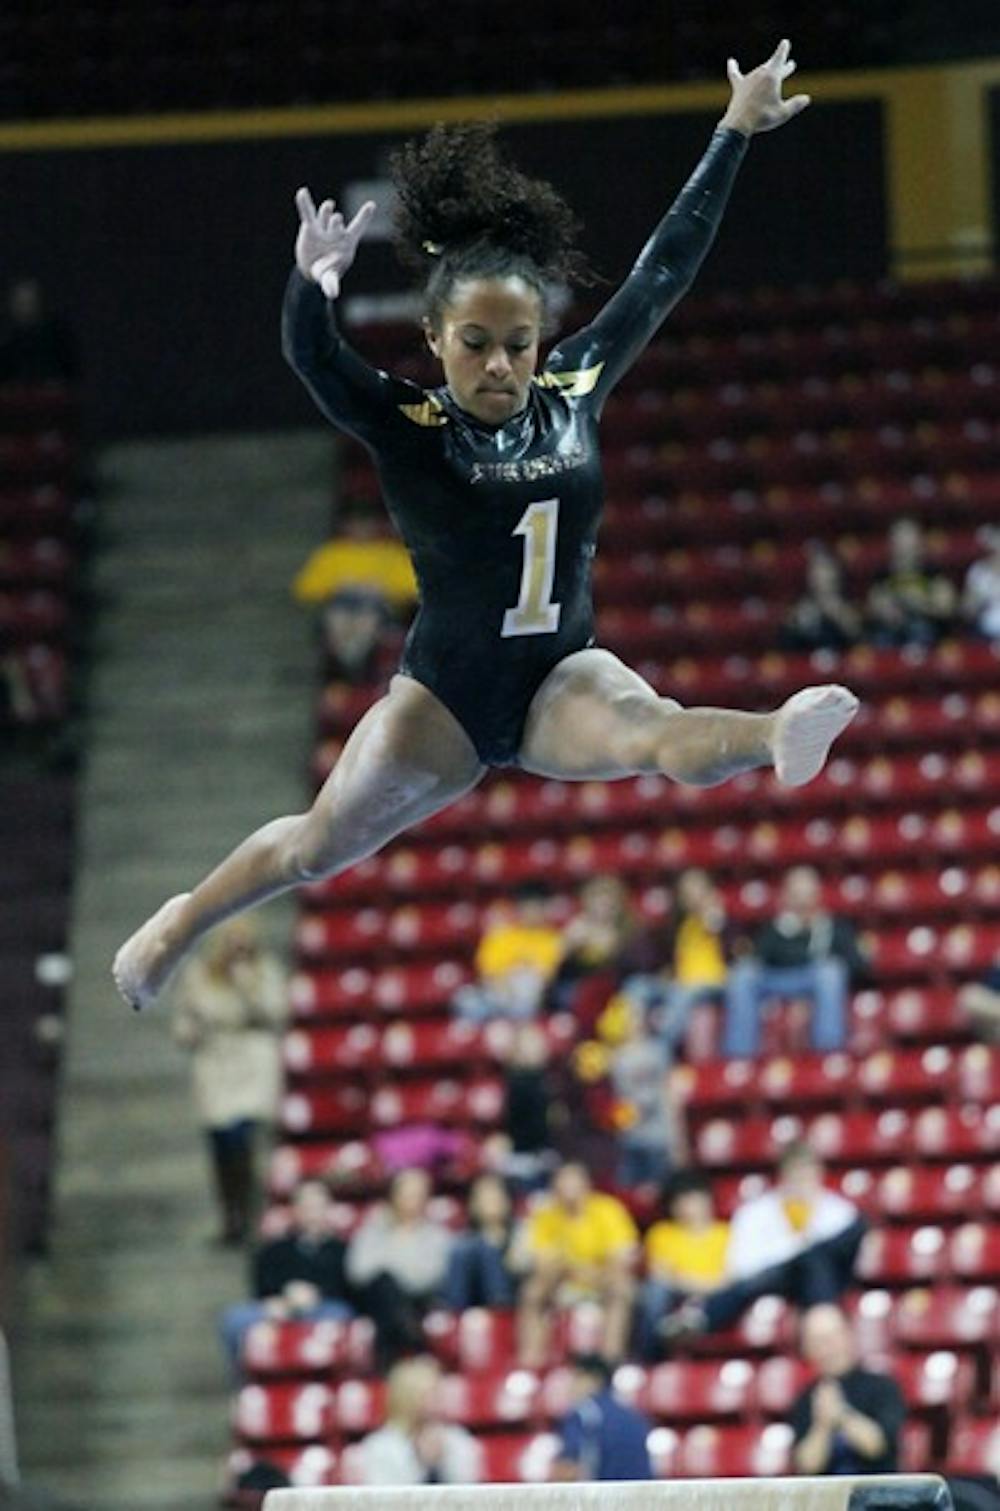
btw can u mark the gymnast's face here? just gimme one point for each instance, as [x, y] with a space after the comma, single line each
[487, 342]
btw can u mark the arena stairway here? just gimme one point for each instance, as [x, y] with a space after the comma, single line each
[198, 731]
[756, 423]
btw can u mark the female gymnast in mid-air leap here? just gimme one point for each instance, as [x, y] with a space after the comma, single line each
[494, 483]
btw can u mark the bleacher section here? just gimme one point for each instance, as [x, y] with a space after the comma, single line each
[757, 423]
[39, 625]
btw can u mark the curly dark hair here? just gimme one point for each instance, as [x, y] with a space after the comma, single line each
[464, 211]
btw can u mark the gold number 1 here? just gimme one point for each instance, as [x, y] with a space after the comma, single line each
[534, 612]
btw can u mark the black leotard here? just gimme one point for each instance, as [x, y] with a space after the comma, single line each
[501, 521]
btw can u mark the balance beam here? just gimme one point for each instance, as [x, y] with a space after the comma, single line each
[917, 1492]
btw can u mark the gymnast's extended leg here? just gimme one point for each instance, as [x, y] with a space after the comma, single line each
[407, 758]
[593, 717]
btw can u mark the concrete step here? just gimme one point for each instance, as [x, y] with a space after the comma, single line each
[200, 727]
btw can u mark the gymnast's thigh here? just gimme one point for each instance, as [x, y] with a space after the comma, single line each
[593, 718]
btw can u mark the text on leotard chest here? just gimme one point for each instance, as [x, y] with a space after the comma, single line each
[529, 470]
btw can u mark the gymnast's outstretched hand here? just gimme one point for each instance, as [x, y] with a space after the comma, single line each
[325, 246]
[756, 103]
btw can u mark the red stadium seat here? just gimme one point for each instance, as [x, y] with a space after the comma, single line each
[321, 1348]
[305, 1467]
[974, 1447]
[734, 1452]
[518, 1458]
[284, 1413]
[940, 1379]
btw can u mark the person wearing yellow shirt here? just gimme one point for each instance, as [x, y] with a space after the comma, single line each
[360, 556]
[686, 1255]
[362, 580]
[515, 961]
[580, 1243]
[692, 955]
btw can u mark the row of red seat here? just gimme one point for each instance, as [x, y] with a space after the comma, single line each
[42, 562]
[677, 1392]
[345, 1104]
[424, 915]
[666, 577]
[712, 1451]
[964, 1320]
[879, 398]
[45, 510]
[320, 999]
[969, 1133]
[637, 520]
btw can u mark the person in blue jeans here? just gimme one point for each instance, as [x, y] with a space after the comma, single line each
[802, 952]
[602, 1438]
[298, 1276]
[485, 1263]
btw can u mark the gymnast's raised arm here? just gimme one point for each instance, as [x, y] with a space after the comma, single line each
[667, 264]
[353, 395]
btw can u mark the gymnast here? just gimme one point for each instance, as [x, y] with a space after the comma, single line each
[493, 481]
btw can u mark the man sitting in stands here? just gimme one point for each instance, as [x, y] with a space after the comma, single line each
[580, 1244]
[798, 1240]
[602, 1438]
[802, 952]
[397, 1262]
[849, 1419]
[686, 1255]
[300, 1275]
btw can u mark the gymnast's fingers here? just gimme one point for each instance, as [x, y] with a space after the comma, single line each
[304, 205]
[356, 229]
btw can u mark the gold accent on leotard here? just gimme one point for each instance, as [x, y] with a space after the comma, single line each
[429, 412]
[575, 384]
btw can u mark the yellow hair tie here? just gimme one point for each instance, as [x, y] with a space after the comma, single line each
[433, 248]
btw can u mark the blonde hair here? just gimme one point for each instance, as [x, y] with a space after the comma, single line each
[409, 1386]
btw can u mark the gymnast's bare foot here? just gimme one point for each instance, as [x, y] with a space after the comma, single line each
[804, 729]
[145, 961]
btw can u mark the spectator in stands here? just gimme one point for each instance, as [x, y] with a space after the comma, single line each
[694, 951]
[798, 1240]
[528, 1155]
[515, 962]
[848, 1421]
[599, 936]
[602, 1438]
[415, 1447]
[822, 619]
[487, 1260]
[981, 1001]
[981, 593]
[580, 1244]
[909, 604]
[686, 1255]
[229, 1009]
[36, 346]
[650, 1131]
[362, 580]
[802, 952]
[300, 1275]
[397, 1262]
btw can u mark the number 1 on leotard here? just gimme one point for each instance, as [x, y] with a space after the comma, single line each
[534, 612]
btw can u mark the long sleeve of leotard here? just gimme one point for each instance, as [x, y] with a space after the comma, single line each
[663, 273]
[355, 396]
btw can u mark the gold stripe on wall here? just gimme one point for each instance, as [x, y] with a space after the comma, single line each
[937, 158]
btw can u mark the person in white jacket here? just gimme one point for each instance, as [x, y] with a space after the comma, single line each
[415, 1447]
[798, 1240]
